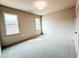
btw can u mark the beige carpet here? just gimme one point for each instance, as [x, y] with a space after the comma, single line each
[0, 50]
[44, 46]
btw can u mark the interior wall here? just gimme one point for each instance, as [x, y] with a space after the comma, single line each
[26, 26]
[77, 27]
[60, 24]
[0, 33]
[0, 45]
[77, 23]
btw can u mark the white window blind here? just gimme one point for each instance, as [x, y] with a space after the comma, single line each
[38, 27]
[11, 24]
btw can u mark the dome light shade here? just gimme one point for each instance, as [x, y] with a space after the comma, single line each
[40, 5]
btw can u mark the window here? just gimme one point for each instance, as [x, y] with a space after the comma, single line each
[38, 27]
[11, 24]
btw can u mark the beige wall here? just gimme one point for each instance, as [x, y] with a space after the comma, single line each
[77, 26]
[77, 23]
[0, 34]
[60, 24]
[26, 25]
[77, 16]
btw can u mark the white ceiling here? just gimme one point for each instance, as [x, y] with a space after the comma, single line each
[28, 5]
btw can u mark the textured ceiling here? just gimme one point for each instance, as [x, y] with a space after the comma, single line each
[28, 5]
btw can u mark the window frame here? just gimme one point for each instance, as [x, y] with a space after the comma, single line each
[36, 24]
[18, 24]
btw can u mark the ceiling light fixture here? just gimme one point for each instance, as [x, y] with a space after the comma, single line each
[40, 5]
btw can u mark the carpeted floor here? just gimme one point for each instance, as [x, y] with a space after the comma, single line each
[0, 50]
[78, 50]
[42, 47]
